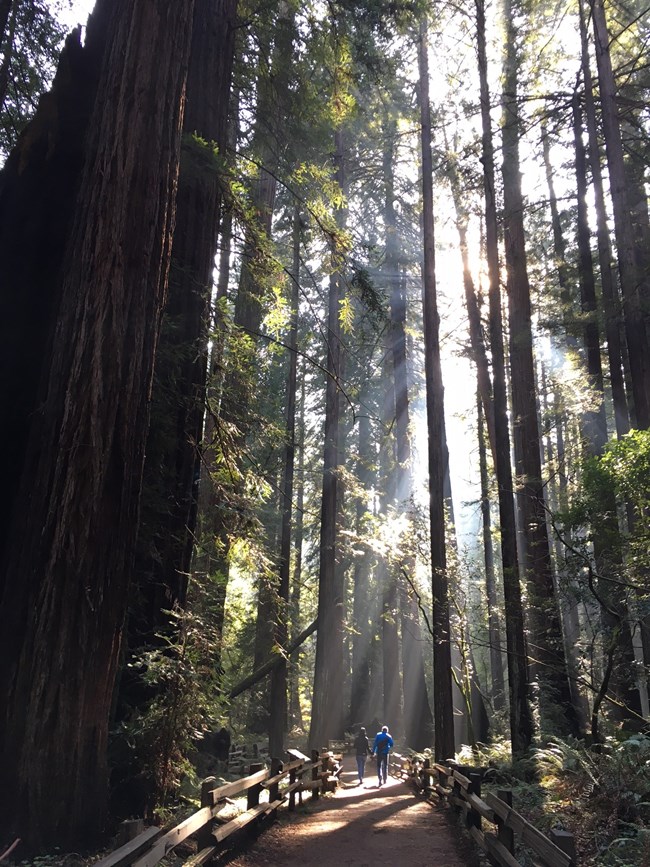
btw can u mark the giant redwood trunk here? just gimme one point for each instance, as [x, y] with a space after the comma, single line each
[327, 702]
[74, 511]
[172, 465]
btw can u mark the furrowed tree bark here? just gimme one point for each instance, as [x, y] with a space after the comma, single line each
[443, 708]
[521, 722]
[75, 516]
[172, 465]
[549, 666]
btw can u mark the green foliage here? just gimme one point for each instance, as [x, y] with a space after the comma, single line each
[180, 677]
[30, 51]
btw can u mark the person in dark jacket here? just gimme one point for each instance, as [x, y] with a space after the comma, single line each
[380, 748]
[362, 750]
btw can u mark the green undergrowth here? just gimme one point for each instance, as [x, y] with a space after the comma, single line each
[601, 795]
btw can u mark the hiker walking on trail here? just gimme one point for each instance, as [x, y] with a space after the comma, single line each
[380, 748]
[362, 751]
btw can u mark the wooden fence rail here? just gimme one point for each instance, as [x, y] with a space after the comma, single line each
[462, 792]
[283, 782]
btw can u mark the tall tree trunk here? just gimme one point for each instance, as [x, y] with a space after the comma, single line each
[87, 440]
[327, 705]
[635, 326]
[546, 636]
[443, 708]
[611, 301]
[278, 715]
[521, 722]
[361, 622]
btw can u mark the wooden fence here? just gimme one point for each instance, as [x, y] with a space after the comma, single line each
[283, 782]
[462, 792]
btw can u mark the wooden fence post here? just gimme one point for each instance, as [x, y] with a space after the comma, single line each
[204, 837]
[315, 775]
[565, 841]
[253, 797]
[473, 817]
[505, 835]
[292, 793]
[274, 789]
[424, 773]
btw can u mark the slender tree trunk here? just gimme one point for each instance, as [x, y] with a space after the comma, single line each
[327, 706]
[443, 708]
[295, 710]
[521, 722]
[548, 650]
[635, 326]
[278, 715]
[86, 446]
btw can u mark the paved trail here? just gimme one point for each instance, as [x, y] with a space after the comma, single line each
[362, 826]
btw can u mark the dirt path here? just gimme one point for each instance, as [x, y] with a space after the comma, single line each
[362, 826]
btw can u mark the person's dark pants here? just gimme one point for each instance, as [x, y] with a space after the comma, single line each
[361, 764]
[382, 767]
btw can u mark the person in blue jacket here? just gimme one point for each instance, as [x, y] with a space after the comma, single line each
[380, 748]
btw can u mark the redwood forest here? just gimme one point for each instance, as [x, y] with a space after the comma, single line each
[325, 375]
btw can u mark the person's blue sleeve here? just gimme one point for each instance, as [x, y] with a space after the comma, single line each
[390, 743]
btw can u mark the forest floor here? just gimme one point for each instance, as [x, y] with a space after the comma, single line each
[362, 826]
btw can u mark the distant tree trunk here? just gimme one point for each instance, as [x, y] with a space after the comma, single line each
[635, 326]
[418, 721]
[443, 708]
[479, 354]
[595, 422]
[238, 378]
[5, 9]
[327, 705]
[278, 713]
[521, 722]
[545, 627]
[75, 515]
[494, 629]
